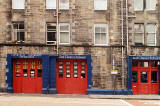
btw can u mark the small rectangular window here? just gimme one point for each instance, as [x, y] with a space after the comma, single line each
[134, 76]
[51, 34]
[18, 4]
[25, 74]
[50, 4]
[154, 63]
[64, 34]
[144, 64]
[138, 37]
[138, 5]
[100, 4]
[154, 76]
[151, 4]
[135, 63]
[39, 73]
[151, 34]
[64, 4]
[19, 32]
[101, 34]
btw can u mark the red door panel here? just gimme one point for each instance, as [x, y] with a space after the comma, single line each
[71, 76]
[145, 77]
[30, 79]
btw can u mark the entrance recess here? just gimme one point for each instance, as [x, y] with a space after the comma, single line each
[71, 76]
[27, 75]
[145, 77]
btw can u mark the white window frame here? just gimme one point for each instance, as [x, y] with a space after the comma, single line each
[104, 8]
[155, 43]
[15, 32]
[138, 9]
[151, 2]
[107, 34]
[14, 2]
[61, 24]
[139, 32]
[55, 6]
[51, 8]
[54, 42]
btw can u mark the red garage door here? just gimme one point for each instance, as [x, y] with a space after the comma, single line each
[71, 76]
[27, 75]
[145, 77]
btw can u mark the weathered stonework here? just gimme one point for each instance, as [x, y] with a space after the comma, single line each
[81, 16]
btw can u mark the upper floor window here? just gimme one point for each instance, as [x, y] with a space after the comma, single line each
[145, 34]
[100, 4]
[63, 4]
[140, 5]
[51, 33]
[19, 32]
[101, 34]
[18, 4]
[64, 34]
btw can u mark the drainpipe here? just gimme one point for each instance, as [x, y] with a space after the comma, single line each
[122, 37]
[57, 24]
[127, 26]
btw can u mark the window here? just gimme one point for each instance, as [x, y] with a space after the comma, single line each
[154, 76]
[51, 33]
[140, 5]
[139, 34]
[101, 34]
[64, 34]
[134, 76]
[63, 4]
[50, 4]
[151, 34]
[19, 32]
[144, 34]
[100, 4]
[144, 77]
[18, 4]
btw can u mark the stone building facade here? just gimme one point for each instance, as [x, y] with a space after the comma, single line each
[119, 17]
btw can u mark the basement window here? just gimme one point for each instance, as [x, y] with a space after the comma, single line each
[19, 32]
[18, 4]
[140, 5]
[64, 36]
[101, 34]
[51, 34]
[63, 4]
[100, 4]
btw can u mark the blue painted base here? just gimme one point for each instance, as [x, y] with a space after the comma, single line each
[52, 91]
[110, 91]
[10, 89]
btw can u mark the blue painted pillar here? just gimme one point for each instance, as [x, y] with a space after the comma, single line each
[9, 74]
[45, 75]
[159, 78]
[89, 72]
[129, 75]
[52, 71]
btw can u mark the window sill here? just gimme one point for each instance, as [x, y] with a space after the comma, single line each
[145, 46]
[146, 11]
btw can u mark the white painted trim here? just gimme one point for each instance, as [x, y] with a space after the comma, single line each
[64, 31]
[107, 34]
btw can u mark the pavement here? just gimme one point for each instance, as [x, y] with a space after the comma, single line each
[9, 99]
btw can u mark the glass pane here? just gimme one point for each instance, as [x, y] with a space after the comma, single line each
[60, 75]
[64, 28]
[51, 28]
[151, 39]
[75, 63]
[20, 36]
[25, 73]
[100, 4]
[154, 76]
[135, 63]
[21, 26]
[51, 4]
[51, 36]
[39, 74]
[39, 64]
[25, 64]
[103, 38]
[60, 71]
[150, 28]
[144, 77]
[68, 76]
[134, 76]
[82, 75]
[150, 4]
[139, 28]
[32, 73]
[97, 29]
[75, 75]
[64, 4]
[154, 63]
[138, 5]
[138, 38]
[64, 37]
[143, 64]
[97, 38]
